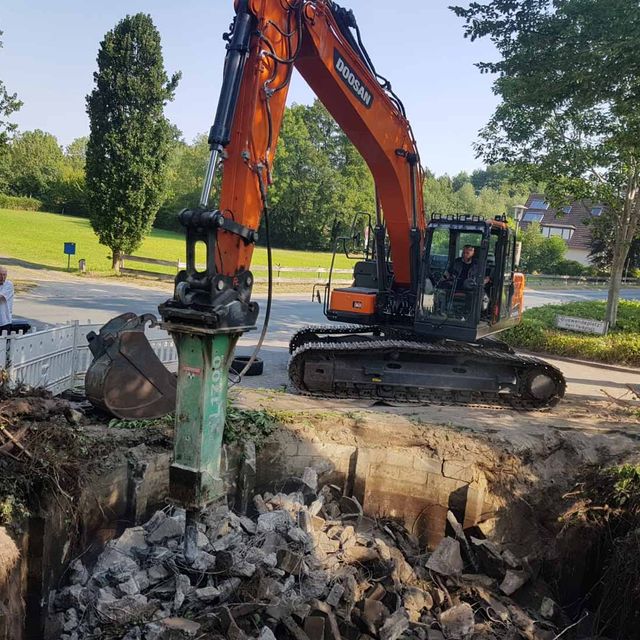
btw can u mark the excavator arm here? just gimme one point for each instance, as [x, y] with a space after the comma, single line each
[269, 38]
[212, 308]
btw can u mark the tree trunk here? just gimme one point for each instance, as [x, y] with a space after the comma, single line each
[626, 229]
[115, 261]
[613, 297]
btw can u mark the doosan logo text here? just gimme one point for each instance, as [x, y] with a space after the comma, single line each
[358, 88]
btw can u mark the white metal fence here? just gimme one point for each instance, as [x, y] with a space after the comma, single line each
[57, 358]
[292, 275]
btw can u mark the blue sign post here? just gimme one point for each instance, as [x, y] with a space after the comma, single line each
[69, 250]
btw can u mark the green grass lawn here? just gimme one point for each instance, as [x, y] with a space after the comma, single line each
[37, 238]
[621, 345]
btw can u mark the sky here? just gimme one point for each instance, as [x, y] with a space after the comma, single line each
[49, 52]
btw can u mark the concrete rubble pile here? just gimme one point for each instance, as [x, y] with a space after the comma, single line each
[307, 565]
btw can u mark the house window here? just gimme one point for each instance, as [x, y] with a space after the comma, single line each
[539, 204]
[567, 210]
[533, 217]
[596, 211]
[564, 232]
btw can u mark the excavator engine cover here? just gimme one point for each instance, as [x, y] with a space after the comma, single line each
[126, 378]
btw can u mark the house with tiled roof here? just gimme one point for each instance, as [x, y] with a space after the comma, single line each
[569, 222]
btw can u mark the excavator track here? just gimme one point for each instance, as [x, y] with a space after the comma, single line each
[353, 362]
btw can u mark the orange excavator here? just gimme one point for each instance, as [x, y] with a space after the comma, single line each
[427, 296]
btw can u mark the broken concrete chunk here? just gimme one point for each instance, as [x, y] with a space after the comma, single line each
[114, 561]
[458, 622]
[314, 627]
[132, 539]
[266, 634]
[548, 608]
[394, 626]
[202, 542]
[335, 595]
[179, 628]
[258, 557]
[71, 620]
[310, 478]
[358, 554]
[288, 561]
[296, 534]
[157, 573]
[446, 559]
[126, 610]
[78, 573]
[183, 587]
[203, 561]
[73, 596]
[489, 556]
[316, 505]
[274, 521]
[511, 560]
[228, 588]
[513, 580]
[248, 525]
[497, 608]
[415, 601]
[348, 537]
[243, 569]
[229, 541]
[168, 528]
[130, 587]
[374, 613]
[207, 594]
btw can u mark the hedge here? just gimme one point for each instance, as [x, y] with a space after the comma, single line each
[621, 345]
[22, 203]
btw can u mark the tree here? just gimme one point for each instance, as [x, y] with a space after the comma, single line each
[466, 200]
[569, 81]
[76, 153]
[130, 137]
[602, 242]
[35, 163]
[9, 104]
[438, 195]
[186, 171]
[459, 180]
[540, 254]
[306, 192]
[494, 177]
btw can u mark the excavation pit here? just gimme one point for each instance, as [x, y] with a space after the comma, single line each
[500, 476]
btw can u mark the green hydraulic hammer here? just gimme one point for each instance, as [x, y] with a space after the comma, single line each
[209, 311]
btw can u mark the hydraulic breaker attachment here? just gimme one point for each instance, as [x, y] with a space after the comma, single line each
[126, 378]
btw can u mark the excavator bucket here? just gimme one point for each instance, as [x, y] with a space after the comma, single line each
[126, 378]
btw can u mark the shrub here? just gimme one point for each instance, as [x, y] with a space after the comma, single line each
[537, 332]
[23, 203]
[569, 268]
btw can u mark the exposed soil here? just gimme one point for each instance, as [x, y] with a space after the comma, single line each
[51, 447]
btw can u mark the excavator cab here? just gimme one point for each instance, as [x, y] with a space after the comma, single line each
[468, 286]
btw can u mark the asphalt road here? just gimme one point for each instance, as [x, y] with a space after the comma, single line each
[59, 301]
[62, 300]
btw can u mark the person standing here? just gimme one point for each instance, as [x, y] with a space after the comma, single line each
[6, 306]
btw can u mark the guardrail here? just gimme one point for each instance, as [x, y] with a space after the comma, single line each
[322, 274]
[57, 358]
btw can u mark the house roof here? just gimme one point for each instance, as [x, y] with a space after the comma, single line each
[580, 211]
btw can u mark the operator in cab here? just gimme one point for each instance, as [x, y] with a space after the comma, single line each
[462, 273]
